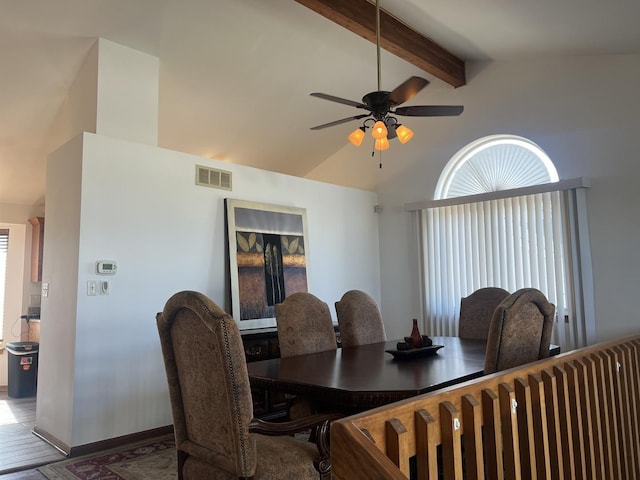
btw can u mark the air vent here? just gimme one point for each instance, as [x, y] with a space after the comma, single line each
[212, 177]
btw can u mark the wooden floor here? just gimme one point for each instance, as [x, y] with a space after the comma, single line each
[20, 450]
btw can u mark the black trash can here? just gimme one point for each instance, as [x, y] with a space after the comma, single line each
[23, 368]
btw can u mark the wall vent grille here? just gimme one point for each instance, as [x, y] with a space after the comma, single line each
[212, 177]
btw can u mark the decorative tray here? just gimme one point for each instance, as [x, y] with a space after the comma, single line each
[415, 352]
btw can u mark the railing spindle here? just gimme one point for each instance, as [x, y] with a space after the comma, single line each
[576, 417]
[540, 427]
[426, 446]
[526, 435]
[472, 438]
[451, 429]
[585, 392]
[492, 439]
[553, 419]
[397, 438]
[509, 424]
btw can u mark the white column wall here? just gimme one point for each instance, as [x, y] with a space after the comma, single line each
[127, 90]
[57, 357]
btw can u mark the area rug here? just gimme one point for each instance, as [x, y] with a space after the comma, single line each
[150, 460]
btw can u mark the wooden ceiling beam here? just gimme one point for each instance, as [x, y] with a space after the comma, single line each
[359, 16]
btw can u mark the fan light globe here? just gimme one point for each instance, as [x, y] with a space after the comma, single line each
[356, 136]
[382, 144]
[379, 130]
[404, 133]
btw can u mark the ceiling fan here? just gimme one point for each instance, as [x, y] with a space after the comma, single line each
[383, 106]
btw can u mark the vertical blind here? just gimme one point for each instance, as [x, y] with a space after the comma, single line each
[4, 250]
[513, 243]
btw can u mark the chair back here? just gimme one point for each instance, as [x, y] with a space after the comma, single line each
[208, 383]
[476, 311]
[359, 319]
[520, 330]
[304, 325]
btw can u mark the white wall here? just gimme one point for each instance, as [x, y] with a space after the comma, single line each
[101, 372]
[19, 214]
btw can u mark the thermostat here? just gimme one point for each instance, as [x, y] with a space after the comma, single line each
[106, 267]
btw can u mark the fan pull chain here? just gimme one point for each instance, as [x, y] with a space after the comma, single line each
[379, 74]
[373, 154]
[378, 41]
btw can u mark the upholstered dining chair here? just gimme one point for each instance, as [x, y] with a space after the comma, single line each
[216, 435]
[476, 311]
[304, 325]
[520, 330]
[359, 319]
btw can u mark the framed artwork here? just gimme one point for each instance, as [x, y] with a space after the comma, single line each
[268, 259]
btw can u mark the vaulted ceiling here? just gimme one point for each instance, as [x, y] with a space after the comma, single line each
[235, 75]
[359, 16]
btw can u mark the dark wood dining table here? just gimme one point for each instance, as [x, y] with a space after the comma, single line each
[359, 378]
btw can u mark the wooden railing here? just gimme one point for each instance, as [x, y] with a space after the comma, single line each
[573, 416]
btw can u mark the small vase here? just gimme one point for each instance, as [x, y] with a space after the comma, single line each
[416, 338]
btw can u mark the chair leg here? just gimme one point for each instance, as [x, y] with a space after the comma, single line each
[182, 457]
[323, 462]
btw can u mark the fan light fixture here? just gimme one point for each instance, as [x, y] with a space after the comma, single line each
[379, 131]
[382, 107]
[404, 133]
[382, 144]
[357, 136]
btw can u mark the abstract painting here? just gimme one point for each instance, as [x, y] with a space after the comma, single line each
[268, 259]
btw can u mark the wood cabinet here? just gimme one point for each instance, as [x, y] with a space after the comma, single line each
[37, 245]
[30, 331]
[260, 344]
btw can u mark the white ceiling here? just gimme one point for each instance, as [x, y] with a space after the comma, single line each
[236, 75]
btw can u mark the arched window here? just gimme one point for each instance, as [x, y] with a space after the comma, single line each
[497, 162]
[501, 218]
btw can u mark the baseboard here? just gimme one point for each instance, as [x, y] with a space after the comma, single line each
[52, 440]
[102, 445]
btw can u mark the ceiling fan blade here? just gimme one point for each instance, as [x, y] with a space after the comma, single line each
[344, 101]
[338, 122]
[430, 110]
[407, 90]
